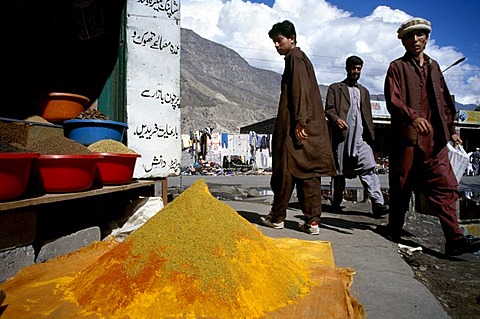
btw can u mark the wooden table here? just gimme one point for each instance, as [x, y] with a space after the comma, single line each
[146, 187]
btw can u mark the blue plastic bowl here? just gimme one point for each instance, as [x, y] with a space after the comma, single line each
[86, 131]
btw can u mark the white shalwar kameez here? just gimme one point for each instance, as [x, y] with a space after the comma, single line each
[355, 156]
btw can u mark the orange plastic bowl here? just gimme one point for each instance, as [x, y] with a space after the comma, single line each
[15, 171]
[115, 169]
[58, 107]
[66, 173]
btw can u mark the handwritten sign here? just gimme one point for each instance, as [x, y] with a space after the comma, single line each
[171, 8]
[153, 86]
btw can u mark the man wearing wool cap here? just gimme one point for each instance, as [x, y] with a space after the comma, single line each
[414, 24]
[422, 111]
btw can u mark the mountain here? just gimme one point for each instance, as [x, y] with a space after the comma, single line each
[220, 90]
[467, 107]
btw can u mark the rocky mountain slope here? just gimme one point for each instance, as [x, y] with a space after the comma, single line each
[220, 90]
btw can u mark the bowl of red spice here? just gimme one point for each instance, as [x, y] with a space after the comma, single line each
[15, 171]
[66, 173]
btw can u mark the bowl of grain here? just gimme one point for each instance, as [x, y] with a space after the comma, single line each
[115, 169]
[118, 163]
[15, 171]
[89, 131]
[66, 173]
[64, 165]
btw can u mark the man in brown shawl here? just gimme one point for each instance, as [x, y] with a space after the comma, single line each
[422, 112]
[301, 149]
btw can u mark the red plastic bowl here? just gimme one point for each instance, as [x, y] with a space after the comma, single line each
[15, 171]
[66, 173]
[115, 169]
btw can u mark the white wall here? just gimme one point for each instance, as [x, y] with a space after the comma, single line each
[153, 86]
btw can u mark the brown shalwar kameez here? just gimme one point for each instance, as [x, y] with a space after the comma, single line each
[295, 163]
[420, 163]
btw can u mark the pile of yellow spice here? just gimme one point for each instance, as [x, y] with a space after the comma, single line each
[197, 257]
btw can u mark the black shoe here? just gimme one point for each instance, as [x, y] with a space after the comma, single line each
[337, 209]
[462, 245]
[379, 210]
[390, 233]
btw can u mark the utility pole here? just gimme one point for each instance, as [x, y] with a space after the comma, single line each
[455, 63]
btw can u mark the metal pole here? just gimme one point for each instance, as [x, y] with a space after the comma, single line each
[455, 63]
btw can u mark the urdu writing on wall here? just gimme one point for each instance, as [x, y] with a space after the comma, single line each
[153, 86]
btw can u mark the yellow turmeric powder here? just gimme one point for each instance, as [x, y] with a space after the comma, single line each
[197, 257]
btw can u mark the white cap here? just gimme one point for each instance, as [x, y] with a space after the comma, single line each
[414, 24]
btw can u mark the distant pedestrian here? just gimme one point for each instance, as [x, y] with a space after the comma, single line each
[301, 151]
[469, 169]
[422, 112]
[475, 159]
[349, 113]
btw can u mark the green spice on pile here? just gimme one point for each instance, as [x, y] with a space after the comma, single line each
[197, 257]
[37, 119]
[13, 133]
[110, 146]
[12, 148]
[58, 145]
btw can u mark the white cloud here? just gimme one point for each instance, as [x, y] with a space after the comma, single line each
[327, 34]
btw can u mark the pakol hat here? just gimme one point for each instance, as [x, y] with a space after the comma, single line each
[414, 24]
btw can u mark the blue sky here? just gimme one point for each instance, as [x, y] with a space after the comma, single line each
[455, 23]
[331, 30]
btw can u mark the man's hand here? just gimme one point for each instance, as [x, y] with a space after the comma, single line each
[341, 124]
[300, 133]
[422, 126]
[456, 140]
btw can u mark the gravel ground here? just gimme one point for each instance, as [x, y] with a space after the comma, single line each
[454, 281]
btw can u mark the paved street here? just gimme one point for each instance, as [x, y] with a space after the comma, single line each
[263, 181]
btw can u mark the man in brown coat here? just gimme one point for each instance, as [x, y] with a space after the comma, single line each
[422, 112]
[349, 113]
[301, 150]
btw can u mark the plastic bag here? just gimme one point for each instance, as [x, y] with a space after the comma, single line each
[458, 159]
[149, 206]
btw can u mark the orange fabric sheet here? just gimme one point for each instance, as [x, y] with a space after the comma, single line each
[203, 268]
[32, 292]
